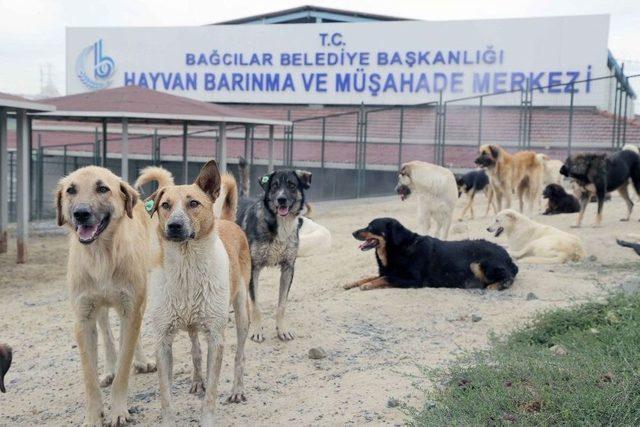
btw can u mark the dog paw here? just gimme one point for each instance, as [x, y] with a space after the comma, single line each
[197, 387]
[285, 335]
[144, 367]
[237, 396]
[257, 335]
[575, 226]
[107, 379]
[120, 417]
[94, 420]
[624, 219]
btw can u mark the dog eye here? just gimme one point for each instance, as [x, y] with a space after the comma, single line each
[194, 204]
[102, 189]
[165, 205]
[71, 190]
[292, 186]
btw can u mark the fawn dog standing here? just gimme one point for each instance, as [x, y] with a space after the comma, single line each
[108, 267]
[204, 264]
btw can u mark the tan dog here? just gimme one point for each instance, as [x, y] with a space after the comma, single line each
[108, 267]
[521, 172]
[437, 193]
[204, 264]
[536, 243]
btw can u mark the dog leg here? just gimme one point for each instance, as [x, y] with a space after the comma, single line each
[197, 385]
[584, 202]
[424, 219]
[129, 333]
[624, 192]
[468, 206]
[87, 338]
[286, 277]
[110, 354]
[359, 283]
[215, 344]
[379, 283]
[141, 363]
[489, 193]
[242, 330]
[164, 361]
[257, 330]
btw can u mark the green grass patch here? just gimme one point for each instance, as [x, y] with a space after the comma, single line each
[577, 366]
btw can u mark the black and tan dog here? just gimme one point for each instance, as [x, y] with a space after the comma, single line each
[5, 363]
[408, 260]
[559, 201]
[472, 183]
[598, 173]
[272, 225]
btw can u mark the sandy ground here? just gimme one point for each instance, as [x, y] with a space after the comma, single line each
[374, 340]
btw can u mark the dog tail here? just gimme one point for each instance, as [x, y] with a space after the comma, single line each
[631, 147]
[154, 173]
[542, 158]
[226, 205]
[244, 171]
[634, 246]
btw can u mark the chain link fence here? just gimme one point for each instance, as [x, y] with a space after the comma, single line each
[356, 152]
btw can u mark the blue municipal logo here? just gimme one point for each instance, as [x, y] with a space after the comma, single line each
[95, 69]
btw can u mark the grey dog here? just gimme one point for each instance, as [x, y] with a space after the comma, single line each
[271, 224]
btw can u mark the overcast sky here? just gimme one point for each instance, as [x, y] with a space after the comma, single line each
[32, 31]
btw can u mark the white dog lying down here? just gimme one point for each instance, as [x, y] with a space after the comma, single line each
[534, 242]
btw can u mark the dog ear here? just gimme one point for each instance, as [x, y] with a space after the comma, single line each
[304, 177]
[510, 215]
[130, 197]
[209, 179]
[396, 233]
[59, 216]
[265, 181]
[152, 202]
[495, 151]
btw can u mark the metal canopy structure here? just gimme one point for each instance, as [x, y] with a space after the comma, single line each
[15, 105]
[133, 104]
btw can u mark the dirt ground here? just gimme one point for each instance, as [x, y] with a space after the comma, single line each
[374, 340]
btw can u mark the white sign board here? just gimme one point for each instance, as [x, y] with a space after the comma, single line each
[373, 63]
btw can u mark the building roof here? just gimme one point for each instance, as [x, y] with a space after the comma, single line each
[310, 14]
[145, 105]
[14, 102]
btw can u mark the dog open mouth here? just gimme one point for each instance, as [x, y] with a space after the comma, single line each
[403, 191]
[368, 244]
[89, 233]
[499, 231]
[283, 210]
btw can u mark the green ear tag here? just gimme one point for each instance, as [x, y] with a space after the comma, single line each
[148, 206]
[265, 179]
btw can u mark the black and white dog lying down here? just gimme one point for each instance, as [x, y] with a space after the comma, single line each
[272, 225]
[408, 260]
[5, 363]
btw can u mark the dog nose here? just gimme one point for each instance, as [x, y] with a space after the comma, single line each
[174, 227]
[82, 214]
[281, 200]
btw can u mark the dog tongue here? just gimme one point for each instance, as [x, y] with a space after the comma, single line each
[86, 232]
[283, 211]
[402, 197]
[361, 245]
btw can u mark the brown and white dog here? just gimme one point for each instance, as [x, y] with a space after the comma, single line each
[521, 172]
[204, 264]
[109, 259]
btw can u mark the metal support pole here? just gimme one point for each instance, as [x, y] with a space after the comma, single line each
[222, 147]
[40, 178]
[103, 157]
[4, 182]
[323, 142]
[443, 138]
[400, 137]
[22, 189]
[155, 147]
[529, 118]
[271, 150]
[624, 123]
[64, 160]
[185, 160]
[252, 143]
[570, 138]
[615, 108]
[247, 133]
[124, 151]
[96, 148]
[480, 122]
